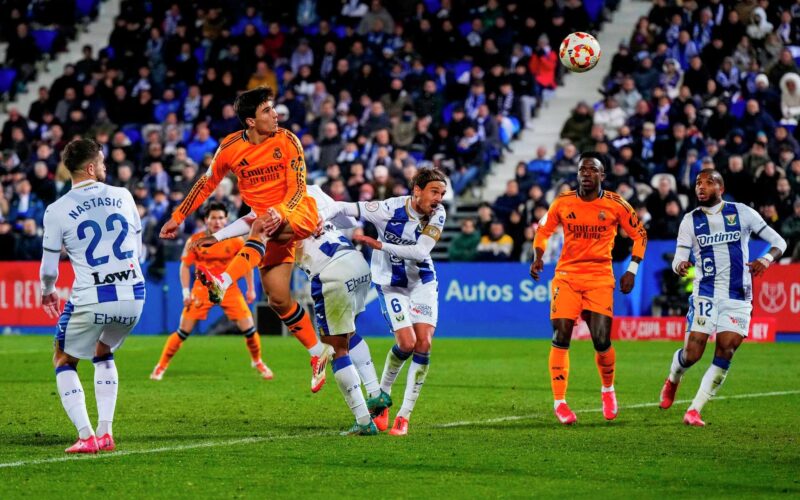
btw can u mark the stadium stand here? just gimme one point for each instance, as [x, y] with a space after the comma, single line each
[373, 90]
[709, 84]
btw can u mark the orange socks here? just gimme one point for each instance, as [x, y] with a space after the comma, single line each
[300, 325]
[606, 362]
[174, 343]
[559, 372]
[248, 257]
[253, 341]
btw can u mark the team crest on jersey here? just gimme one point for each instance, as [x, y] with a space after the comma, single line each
[701, 321]
[277, 154]
[601, 215]
[730, 219]
[372, 206]
[400, 317]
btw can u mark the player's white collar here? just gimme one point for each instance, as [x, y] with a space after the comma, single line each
[715, 209]
[83, 183]
[412, 214]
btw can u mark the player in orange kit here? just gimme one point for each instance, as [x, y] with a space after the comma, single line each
[584, 282]
[270, 168]
[195, 299]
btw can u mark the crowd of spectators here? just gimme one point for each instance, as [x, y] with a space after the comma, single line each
[698, 85]
[34, 30]
[373, 90]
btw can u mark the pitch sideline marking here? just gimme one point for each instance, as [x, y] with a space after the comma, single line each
[261, 439]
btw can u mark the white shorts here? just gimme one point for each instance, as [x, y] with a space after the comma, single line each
[340, 294]
[708, 315]
[403, 307]
[81, 327]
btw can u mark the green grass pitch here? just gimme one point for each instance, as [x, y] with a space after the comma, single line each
[483, 427]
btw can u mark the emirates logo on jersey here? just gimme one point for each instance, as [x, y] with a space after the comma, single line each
[277, 154]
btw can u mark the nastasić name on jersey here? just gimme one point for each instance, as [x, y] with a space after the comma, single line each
[526, 291]
[94, 203]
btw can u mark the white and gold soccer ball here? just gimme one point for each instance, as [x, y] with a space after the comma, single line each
[579, 52]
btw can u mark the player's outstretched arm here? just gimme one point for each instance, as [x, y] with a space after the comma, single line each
[777, 244]
[239, 227]
[199, 193]
[340, 208]
[419, 251]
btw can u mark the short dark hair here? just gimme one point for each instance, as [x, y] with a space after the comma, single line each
[597, 156]
[215, 205]
[78, 153]
[246, 103]
[714, 174]
[426, 175]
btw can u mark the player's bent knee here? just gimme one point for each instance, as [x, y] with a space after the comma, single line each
[602, 343]
[280, 304]
[423, 344]
[407, 342]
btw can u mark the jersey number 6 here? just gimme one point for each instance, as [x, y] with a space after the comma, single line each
[396, 307]
[97, 232]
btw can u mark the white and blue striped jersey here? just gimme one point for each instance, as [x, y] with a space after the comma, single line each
[319, 251]
[100, 228]
[398, 224]
[718, 238]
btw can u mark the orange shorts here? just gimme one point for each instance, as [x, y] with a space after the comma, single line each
[571, 296]
[303, 221]
[233, 304]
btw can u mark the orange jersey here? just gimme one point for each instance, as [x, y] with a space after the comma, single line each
[589, 231]
[270, 174]
[216, 257]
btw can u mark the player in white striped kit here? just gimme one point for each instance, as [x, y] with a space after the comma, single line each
[101, 230]
[402, 270]
[717, 233]
[340, 281]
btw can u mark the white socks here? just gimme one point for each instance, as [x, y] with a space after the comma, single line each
[712, 380]
[106, 384]
[362, 359]
[317, 349]
[416, 377]
[394, 363]
[678, 367]
[350, 384]
[73, 399]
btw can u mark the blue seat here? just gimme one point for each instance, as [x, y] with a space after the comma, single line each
[86, 8]
[515, 127]
[460, 68]
[133, 133]
[594, 9]
[341, 31]
[433, 6]
[465, 28]
[738, 108]
[44, 39]
[200, 55]
[447, 112]
[7, 77]
[312, 30]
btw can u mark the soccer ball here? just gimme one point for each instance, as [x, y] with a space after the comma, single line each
[579, 52]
